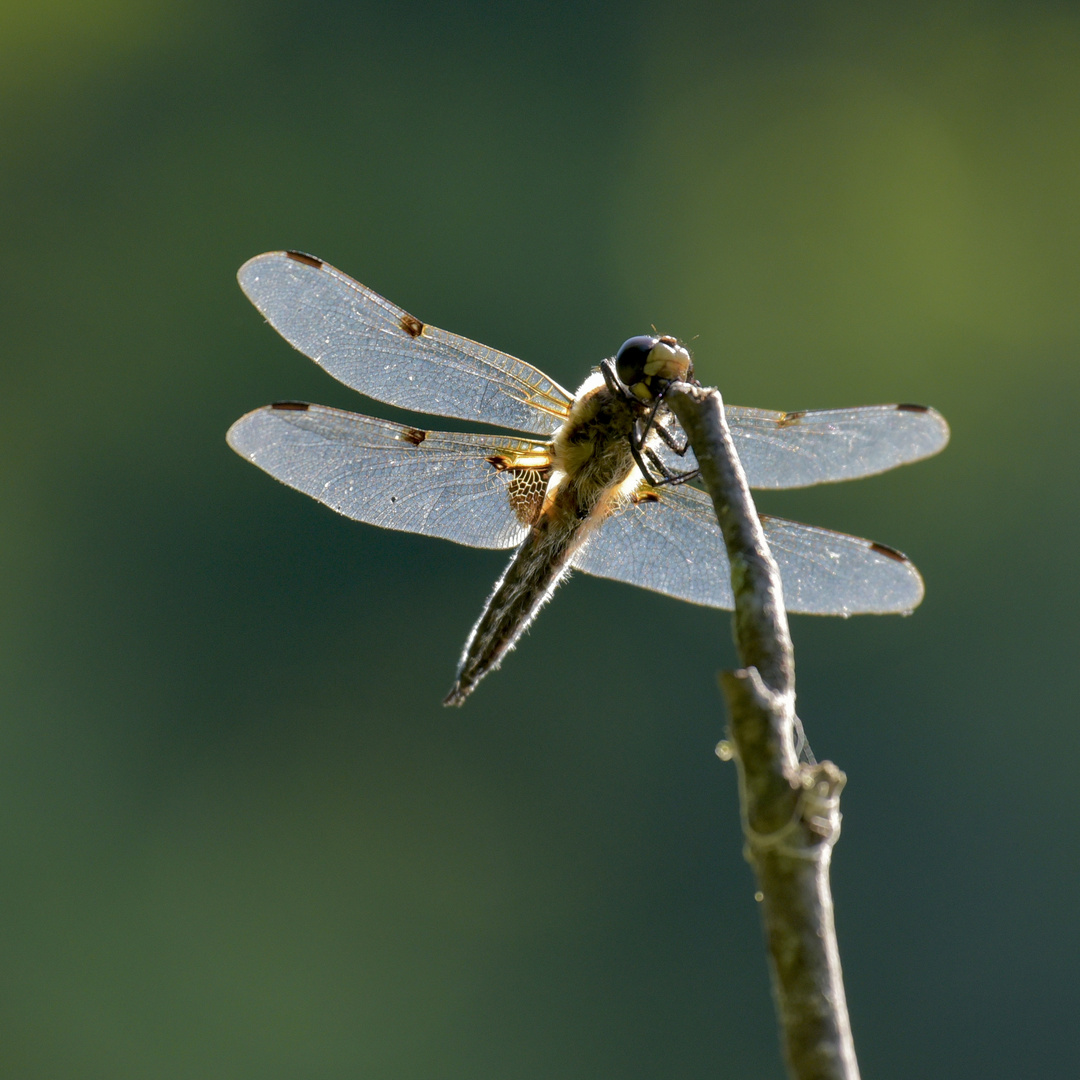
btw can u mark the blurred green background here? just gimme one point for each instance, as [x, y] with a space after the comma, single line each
[241, 837]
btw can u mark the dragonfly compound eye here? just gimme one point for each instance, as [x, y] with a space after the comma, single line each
[643, 360]
[631, 359]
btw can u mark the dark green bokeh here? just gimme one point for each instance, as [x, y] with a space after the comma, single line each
[242, 838]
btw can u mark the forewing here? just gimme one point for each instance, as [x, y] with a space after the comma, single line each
[798, 449]
[670, 542]
[790, 450]
[469, 488]
[382, 351]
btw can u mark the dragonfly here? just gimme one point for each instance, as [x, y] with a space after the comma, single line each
[588, 481]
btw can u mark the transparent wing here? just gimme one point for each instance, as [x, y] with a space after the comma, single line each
[480, 490]
[673, 545]
[798, 449]
[382, 351]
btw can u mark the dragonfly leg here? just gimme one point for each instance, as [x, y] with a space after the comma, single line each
[667, 477]
[611, 380]
[655, 472]
[655, 422]
[637, 437]
[664, 476]
[654, 461]
[670, 440]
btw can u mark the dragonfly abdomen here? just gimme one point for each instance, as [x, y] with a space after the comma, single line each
[593, 471]
[525, 586]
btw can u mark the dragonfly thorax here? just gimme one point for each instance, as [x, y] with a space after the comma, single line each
[591, 450]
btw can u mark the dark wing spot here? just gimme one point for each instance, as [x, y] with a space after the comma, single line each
[644, 497]
[291, 406]
[912, 408]
[498, 463]
[526, 490]
[888, 552]
[413, 435]
[307, 260]
[411, 324]
[789, 418]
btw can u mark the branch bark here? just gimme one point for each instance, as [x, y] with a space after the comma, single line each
[790, 811]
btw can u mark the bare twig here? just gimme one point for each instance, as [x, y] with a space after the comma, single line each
[791, 812]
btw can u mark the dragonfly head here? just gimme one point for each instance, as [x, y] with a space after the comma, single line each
[646, 364]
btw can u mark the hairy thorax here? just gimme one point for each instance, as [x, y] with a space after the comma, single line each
[593, 467]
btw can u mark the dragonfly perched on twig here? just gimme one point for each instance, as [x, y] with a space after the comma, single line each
[588, 481]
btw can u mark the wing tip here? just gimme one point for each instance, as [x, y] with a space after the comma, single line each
[232, 436]
[935, 418]
[235, 436]
[909, 588]
[250, 264]
[258, 261]
[910, 591]
[238, 429]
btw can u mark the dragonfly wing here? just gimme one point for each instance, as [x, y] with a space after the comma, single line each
[665, 545]
[384, 352]
[790, 450]
[480, 490]
[672, 544]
